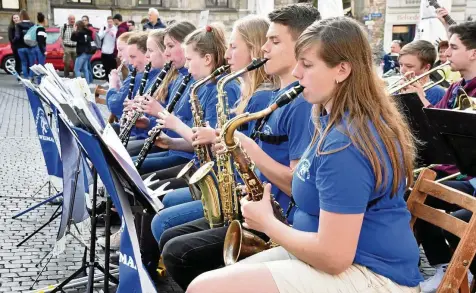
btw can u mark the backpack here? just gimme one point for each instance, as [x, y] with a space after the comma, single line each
[92, 47]
[30, 36]
[96, 39]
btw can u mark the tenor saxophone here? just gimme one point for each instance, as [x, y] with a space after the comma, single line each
[206, 180]
[226, 179]
[240, 243]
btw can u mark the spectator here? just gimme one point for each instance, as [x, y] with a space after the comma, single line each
[450, 76]
[11, 35]
[132, 25]
[26, 52]
[154, 20]
[108, 36]
[121, 26]
[40, 52]
[89, 26]
[85, 20]
[83, 36]
[69, 46]
[390, 60]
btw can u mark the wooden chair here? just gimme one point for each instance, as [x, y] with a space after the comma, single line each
[456, 277]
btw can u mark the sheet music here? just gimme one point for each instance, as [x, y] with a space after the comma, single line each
[114, 144]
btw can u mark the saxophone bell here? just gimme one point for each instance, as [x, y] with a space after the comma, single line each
[186, 173]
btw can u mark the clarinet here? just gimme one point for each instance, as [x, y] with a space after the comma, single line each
[123, 120]
[155, 132]
[126, 133]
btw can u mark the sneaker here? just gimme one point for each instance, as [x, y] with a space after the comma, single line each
[115, 241]
[431, 285]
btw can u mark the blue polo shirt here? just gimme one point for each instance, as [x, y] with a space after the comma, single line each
[258, 101]
[435, 94]
[207, 95]
[294, 121]
[343, 182]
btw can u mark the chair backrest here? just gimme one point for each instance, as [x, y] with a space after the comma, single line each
[464, 253]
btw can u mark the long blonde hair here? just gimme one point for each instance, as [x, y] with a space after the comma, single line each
[360, 99]
[161, 93]
[252, 29]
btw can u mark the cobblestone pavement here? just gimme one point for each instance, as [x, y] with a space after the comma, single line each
[22, 171]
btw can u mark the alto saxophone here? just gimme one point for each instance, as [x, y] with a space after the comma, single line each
[226, 179]
[240, 243]
[206, 180]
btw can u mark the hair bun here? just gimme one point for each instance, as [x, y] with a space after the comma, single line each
[208, 28]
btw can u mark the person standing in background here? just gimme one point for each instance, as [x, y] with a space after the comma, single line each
[108, 36]
[154, 21]
[390, 60]
[131, 25]
[26, 52]
[11, 35]
[40, 50]
[121, 26]
[83, 36]
[69, 46]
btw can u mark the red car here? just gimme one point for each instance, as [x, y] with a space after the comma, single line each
[54, 55]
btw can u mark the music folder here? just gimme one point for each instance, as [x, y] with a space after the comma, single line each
[458, 131]
[432, 149]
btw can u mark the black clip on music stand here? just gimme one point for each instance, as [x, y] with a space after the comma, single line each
[458, 132]
[434, 149]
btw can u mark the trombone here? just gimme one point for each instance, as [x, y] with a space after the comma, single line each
[397, 88]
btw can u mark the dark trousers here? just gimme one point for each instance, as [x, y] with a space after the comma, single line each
[109, 63]
[17, 60]
[191, 249]
[135, 146]
[148, 245]
[432, 238]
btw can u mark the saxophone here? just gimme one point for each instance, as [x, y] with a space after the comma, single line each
[123, 120]
[206, 179]
[226, 180]
[240, 243]
[155, 132]
[126, 133]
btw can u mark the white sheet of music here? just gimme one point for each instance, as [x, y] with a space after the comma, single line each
[114, 144]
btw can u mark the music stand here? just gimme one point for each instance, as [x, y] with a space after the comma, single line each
[434, 150]
[456, 128]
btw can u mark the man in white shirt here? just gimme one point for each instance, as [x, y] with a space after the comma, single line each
[108, 49]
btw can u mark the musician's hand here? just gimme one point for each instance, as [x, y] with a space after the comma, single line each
[114, 79]
[441, 13]
[258, 214]
[151, 106]
[142, 122]
[163, 141]
[167, 120]
[203, 135]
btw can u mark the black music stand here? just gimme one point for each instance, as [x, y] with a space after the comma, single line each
[457, 130]
[434, 149]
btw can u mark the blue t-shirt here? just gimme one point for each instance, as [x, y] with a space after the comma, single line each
[207, 95]
[435, 94]
[115, 98]
[258, 101]
[343, 182]
[294, 121]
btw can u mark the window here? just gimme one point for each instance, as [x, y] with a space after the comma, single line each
[9, 4]
[217, 3]
[80, 1]
[150, 2]
[404, 33]
[51, 38]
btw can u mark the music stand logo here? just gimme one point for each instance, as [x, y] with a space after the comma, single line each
[42, 126]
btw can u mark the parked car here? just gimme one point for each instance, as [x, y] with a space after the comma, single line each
[54, 55]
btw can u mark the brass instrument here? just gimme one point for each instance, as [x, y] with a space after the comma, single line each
[226, 180]
[207, 182]
[397, 88]
[464, 101]
[238, 242]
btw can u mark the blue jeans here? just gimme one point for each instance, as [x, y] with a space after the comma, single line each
[39, 57]
[82, 65]
[179, 209]
[160, 161]
[27, 57]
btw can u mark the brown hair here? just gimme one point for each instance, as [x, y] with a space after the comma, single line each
[158, 36]
[443, 44]
[179, 30]
[80, 26]
[124, 37]
[209, 40]
[297, 17]
[252, 29]
[140, 40]
[466, 32]
[360, 99]
[161, 94]
[24, 15]
[423, 50]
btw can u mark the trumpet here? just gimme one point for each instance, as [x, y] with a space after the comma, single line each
[394, 89]
[464, 101]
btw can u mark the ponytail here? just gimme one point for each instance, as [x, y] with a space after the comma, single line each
[209, 40]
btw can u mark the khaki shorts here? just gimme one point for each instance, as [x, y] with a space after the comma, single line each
[294, 276]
